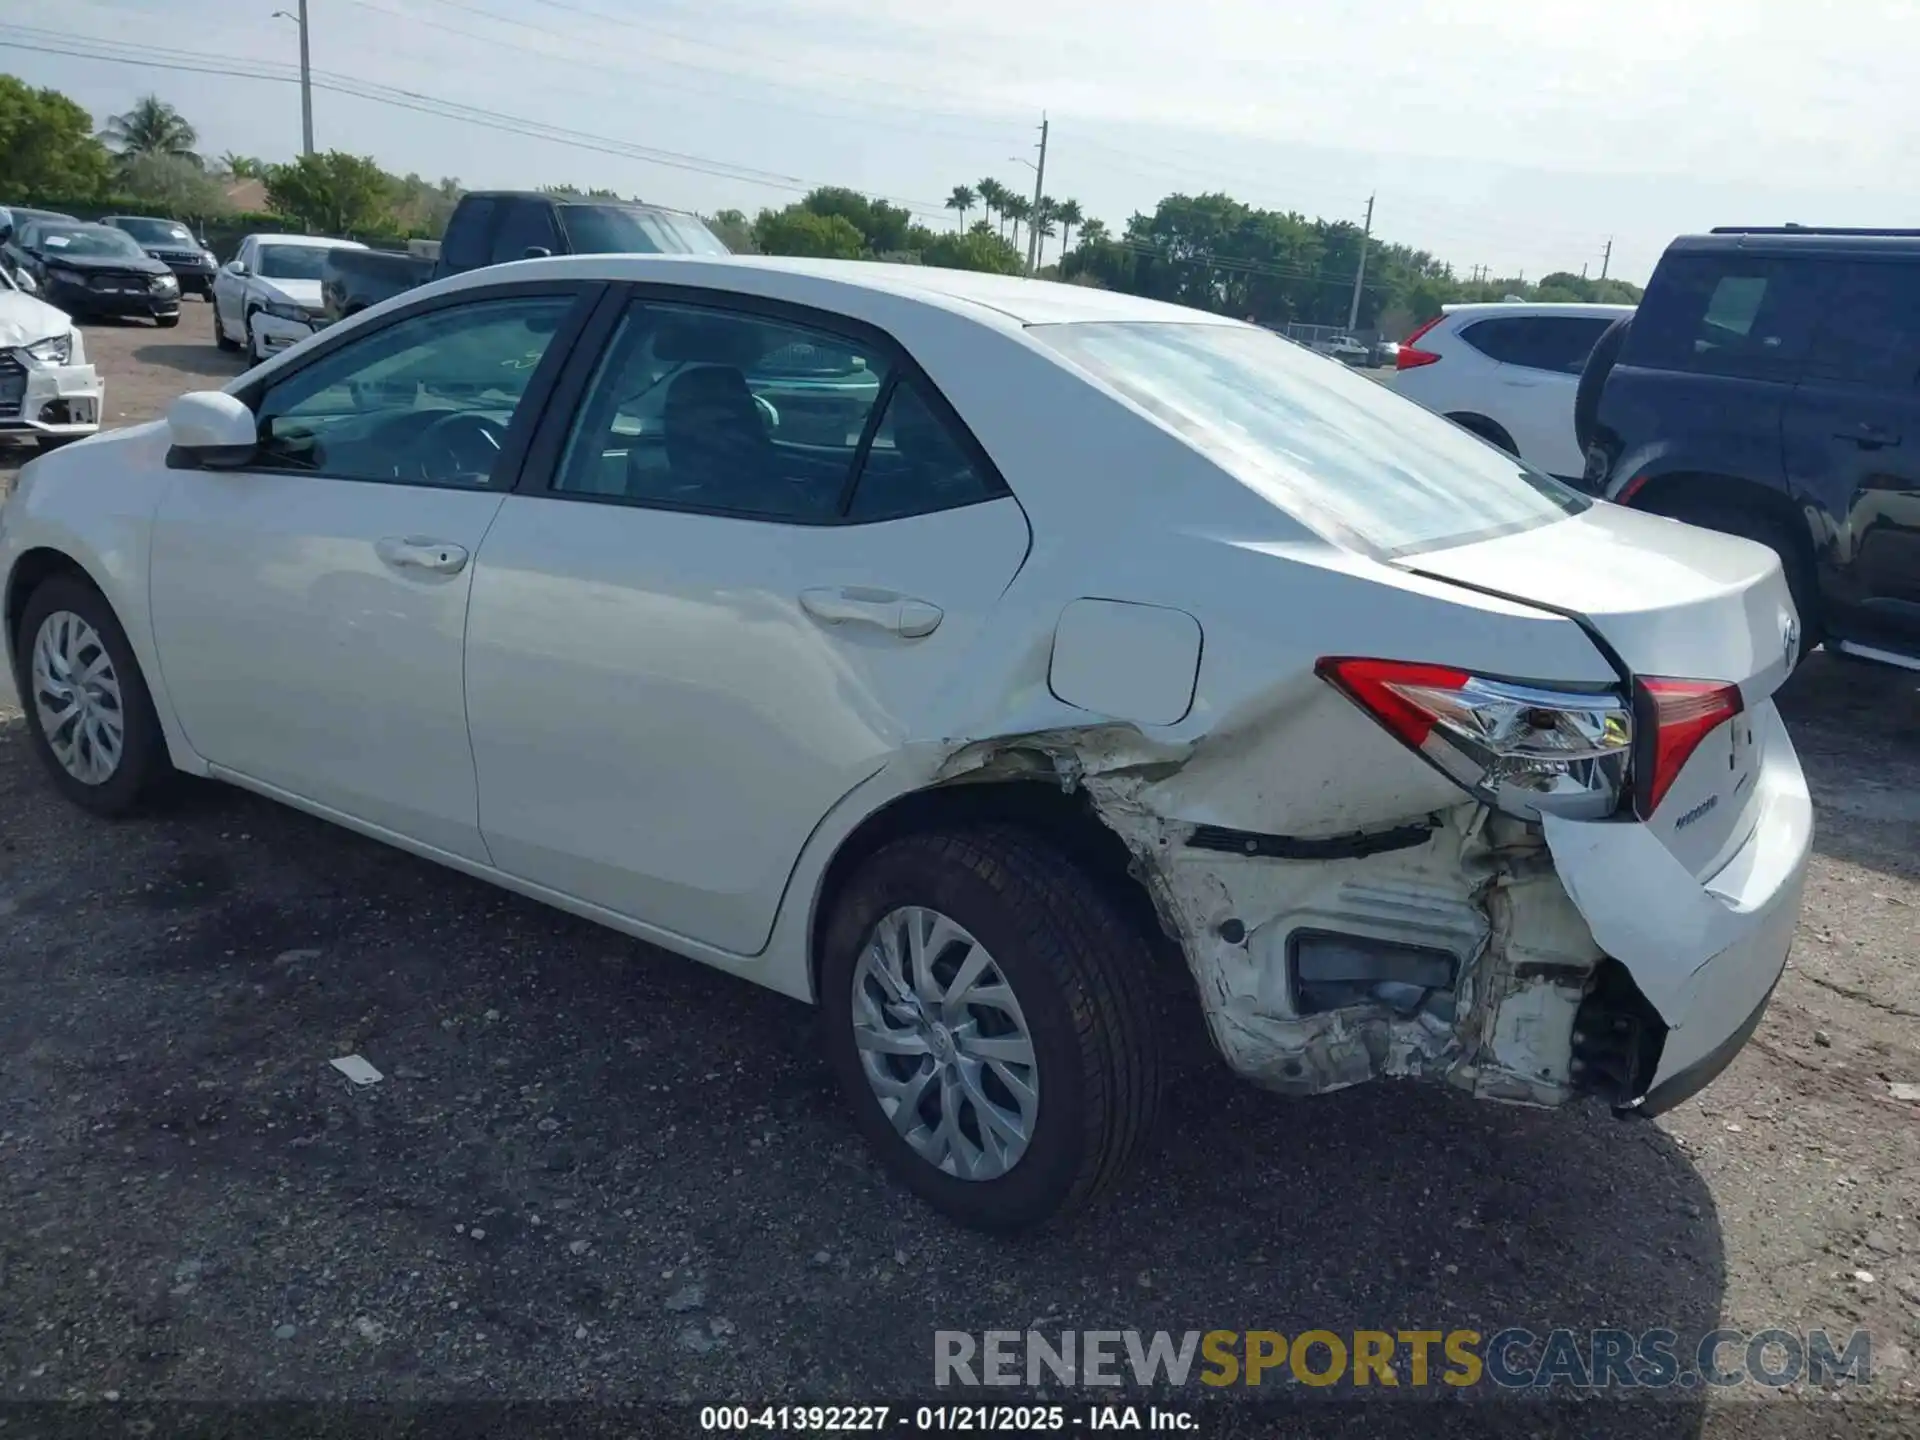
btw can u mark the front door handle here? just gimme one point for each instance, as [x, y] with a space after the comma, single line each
[1869, 437]
[438, 557]
[887, 610]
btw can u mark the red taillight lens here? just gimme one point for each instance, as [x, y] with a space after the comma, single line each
[1411, 357]
[1374, 685]
[1679, 715]
[1522, 748]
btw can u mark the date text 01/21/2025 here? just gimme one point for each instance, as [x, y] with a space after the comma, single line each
[942, 1419]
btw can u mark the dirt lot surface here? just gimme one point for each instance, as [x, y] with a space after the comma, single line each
[596, 1170]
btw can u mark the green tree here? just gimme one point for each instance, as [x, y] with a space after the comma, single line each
[1092, 232]
[47, 146]
[152, 127]
[1043, 227]
[734, 229]
[960, 200]
[1068, 213]
[1018, 209]
[993, 196]
[240, 167]
[882, 227]
[172, 185]
[797, 230]
[334, 193]
[978, 249]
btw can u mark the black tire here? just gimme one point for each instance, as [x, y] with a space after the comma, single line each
[220, 337]
[1767, 530]
[144, 766]
[54, 442]
[1488, 431]
[1080, 973]
[167, 322]
[1593, 381]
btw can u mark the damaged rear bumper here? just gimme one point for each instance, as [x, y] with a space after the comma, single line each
[1497, 943]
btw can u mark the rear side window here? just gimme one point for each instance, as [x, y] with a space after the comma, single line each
[468, 234]
[525, 226]
[1538, 342]
[1870, 327]
[1726, 314]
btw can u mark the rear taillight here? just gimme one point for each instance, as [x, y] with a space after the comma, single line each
[1523, 749]
[1411, 357]
[1675, 716]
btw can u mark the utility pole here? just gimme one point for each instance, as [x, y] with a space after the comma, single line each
[1360, 273]
[306, 78]
[1606, 257]
[1039, 187]
[1583, 269]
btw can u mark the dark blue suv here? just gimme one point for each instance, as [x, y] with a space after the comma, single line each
[1769, 386]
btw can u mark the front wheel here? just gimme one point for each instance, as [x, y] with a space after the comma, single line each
[256, 352]
[986, 1010]
[221, 339]
[87, 704]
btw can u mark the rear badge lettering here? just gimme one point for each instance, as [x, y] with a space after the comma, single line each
[1697, 812]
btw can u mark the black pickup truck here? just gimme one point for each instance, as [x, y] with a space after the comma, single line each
[491, 227]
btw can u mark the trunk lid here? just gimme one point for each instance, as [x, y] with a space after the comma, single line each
[1669, 600]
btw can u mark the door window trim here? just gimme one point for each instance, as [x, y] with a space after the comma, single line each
[586, 296]
[540, 465]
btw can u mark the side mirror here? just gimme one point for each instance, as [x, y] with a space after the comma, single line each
[237, 268]
[535, 252]
[212, 428]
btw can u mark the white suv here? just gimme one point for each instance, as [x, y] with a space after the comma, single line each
[1508, 373]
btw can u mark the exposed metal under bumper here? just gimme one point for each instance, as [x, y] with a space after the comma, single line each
[1689, 1082]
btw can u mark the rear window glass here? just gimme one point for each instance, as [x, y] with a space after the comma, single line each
[624, 230]
[1340, 452]
[1733, 314]
[1537, 342]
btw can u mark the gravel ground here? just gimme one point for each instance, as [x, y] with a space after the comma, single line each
[594, 1170]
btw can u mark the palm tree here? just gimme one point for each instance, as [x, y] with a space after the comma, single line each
[1016, 209]
[1067, 212]
[152, 127]
[1093, 232]
[961, 201]
[993, 197]
[1043, 227]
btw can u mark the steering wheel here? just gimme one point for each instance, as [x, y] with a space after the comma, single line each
[460, 445]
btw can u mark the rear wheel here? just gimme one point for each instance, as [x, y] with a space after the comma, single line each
[87, 705]
[986, 1011]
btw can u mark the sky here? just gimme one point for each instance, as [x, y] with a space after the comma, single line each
[1517, 134]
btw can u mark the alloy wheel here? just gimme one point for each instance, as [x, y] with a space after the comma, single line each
[944, 1045]
[76, 696]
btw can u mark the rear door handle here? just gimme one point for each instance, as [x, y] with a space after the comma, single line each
[887, 610]
[438, 557]
[1869, 437]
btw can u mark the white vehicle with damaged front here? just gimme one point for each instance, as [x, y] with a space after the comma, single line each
[48, 391]
[1120, 648]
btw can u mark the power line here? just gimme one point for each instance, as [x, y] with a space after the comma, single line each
[237, 68]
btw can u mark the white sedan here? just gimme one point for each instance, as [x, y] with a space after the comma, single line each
[48, 391]
[1124, 653]
[268, 296]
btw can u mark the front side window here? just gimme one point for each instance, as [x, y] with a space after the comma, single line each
[290, 262]
[1870, 327]
[698, 408]
[1337, 451]
[1731, 314]
[427, 400]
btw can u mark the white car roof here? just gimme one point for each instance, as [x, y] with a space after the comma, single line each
[1017, 300]
[1480, 309]
[316, 242]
